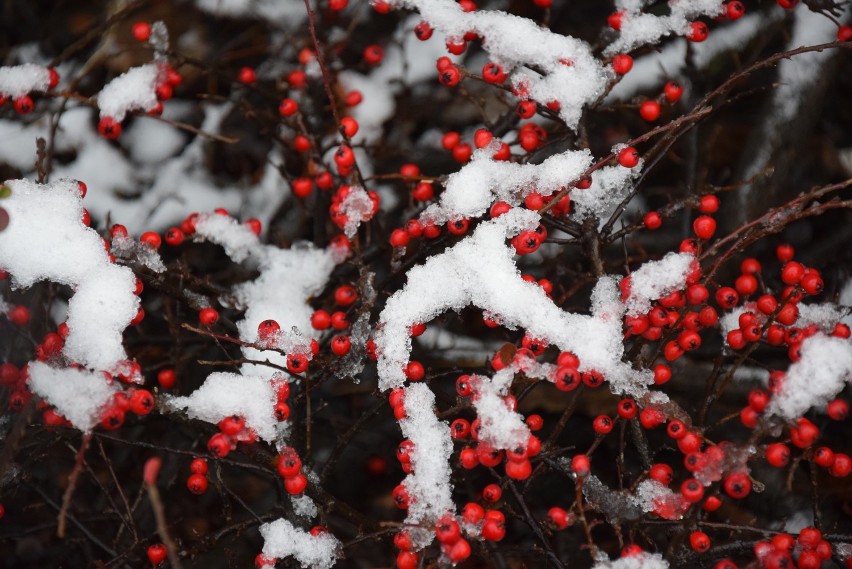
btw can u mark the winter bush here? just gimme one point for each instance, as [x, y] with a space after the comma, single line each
[426, 283]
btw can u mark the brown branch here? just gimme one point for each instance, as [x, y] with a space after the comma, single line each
[72, 484]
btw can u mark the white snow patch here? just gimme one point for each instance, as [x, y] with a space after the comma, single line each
[821, 374]
[78, 395]
[281, 539]
[428, 486]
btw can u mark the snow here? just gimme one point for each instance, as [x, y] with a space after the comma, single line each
[480, 270]
[78, 395]
[656, 279]
[642, 560]
[131, 91]
[151, 141]
[476, 186]
[282, 539]
[653, 496]
[303, 506]
[286, 12]
[650, 71]
[236, 238]
[47, 219]
[821, 373]
[610, 185]
[288, 277]
[357, 207]
[428, 486]
[19, 80]
[130, 249]
[639, 29]
[224, 394]
[571, 73]
[500, 427]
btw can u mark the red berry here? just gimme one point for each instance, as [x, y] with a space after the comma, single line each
[622, 63]
[288, 107]
[414, 371]
[295, 484]
[157, 553]
[734, 10]
[208, 316]
[652, 220]
[423, 30]
[699, 541]
[246, 76]
[198, 466]
[494, 530]
[407, 560]
[23, 104]
[345, 295]
[297, 363]
[219, 445]
[340, 345]
[580, 465]
[662, 373]
[109, 128]
[737, 485]
[698, 32]
[628, 157]
[785, 252]
[837, 409]
[559, 517]
[708, 204]
[662, 473]
[373, 54]
[650, 110]
[692, 490]
[673, 91]
[141, 402]
[704, 227]
[197, 484]
[602, 424]
[141, 31]
[841, 466]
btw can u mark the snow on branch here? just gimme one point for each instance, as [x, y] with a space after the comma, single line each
[78, 395]
[821, 374]
[500, 427]
[641, 560]
[471, 191]
[656, 279]
[428, 486]
[566, 71]
[19, 80]
[639, 29]
[480, 270]
[48, 219]
[288, 277]
[131, 91]
[282, 539]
